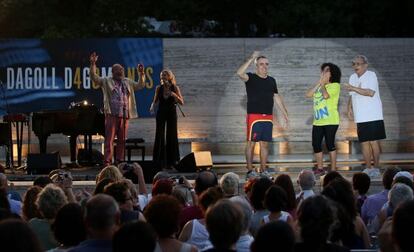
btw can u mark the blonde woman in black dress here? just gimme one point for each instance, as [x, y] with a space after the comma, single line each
[167, 96]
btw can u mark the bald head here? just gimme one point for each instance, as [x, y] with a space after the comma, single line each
[204, 180]
[306, 180]
[118, 72]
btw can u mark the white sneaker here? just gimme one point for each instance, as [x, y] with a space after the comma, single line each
[372, 172]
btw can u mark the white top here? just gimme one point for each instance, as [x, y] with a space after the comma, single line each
[199, 236]
[244, 242]
[185, 247]
[306, 194]
[283, 217]
[366, 108]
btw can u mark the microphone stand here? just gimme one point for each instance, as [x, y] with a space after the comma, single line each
[179, 107]
[124, 126]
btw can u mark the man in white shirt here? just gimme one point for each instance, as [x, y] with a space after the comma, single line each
[365, 108]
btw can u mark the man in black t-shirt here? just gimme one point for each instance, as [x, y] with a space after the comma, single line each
[260, 88]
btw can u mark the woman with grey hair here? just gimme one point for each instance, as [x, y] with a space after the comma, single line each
[229, 183]
[49, 201]
[398, 194]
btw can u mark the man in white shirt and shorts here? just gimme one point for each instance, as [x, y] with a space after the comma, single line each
[365, 108]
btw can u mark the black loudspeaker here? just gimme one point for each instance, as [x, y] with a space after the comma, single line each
[86, 158]
[43, 163]
[4, 134]
[148, 167]
[195, 161]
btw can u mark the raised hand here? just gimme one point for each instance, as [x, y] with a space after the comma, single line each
[255, 54]
[140, 68]
[93, 58]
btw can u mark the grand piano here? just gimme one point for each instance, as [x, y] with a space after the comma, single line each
[81, 119]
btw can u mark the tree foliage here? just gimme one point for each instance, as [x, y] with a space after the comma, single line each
[220, 18]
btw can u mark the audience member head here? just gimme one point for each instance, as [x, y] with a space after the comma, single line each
[180, 194]
[285, 182]
[99, 188]
[50, 199]
[209, 197]
[398, 194]
[111, 172]
[29, 208]
[229, 182]
[162, 186]
[403, 180]
[361, 182]
[275, 199]
[247, 212]
[248, 186]
[160, 175]
[404, 174]
[134, 192]
[42, 181]
[134, 236]
[224, 224]
[162, 213]
[340, 190]
[258, 192]
[274, 233]
[315, 217]
[204, 180]
[120, 192]
[402, 226]
[388, 177]
[102, 216]
[68, 227]
[17, 236]
[329, 177]
[306, 180]
[3, 181]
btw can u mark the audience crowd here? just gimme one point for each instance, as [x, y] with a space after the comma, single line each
[208, 213]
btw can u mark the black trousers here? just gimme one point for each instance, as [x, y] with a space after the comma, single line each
[328, 132]
[166, 152]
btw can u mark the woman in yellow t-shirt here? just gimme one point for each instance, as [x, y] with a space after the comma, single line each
[325, 95]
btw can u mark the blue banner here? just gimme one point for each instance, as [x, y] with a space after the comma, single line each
[39, 75]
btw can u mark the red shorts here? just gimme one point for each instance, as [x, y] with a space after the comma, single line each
[259, 127]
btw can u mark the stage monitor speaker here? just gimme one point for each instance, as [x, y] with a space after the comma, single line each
[43, 163]
[195, 161]
[94, 158]
[148, 168]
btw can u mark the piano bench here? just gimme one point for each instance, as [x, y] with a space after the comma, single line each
[129, 148]
[133, 144]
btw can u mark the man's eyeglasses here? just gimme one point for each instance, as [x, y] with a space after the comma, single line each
[358, 63]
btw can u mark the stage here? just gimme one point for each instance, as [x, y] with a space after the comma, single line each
[348, 164]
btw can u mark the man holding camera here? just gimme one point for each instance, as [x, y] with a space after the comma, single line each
[261, 89]
[119, 105]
